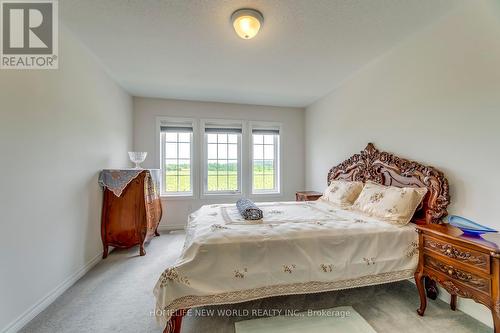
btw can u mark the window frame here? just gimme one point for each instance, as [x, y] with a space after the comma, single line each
[199, 158]
[176, 122]
[222, 123]
[277, 157]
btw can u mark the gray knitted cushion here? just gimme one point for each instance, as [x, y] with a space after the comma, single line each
[248, 209]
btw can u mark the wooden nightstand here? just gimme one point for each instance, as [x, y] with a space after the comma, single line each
[463, 265]
[307, 196]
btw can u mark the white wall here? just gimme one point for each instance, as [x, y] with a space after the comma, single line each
[146, 110]
[58, 128]
[435, 99]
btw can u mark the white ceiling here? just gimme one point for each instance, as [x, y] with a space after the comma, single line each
[186, 49]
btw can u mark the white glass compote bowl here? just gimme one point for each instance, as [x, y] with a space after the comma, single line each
[137, 157]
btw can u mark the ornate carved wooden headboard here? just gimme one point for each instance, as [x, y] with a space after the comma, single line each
[388, 169]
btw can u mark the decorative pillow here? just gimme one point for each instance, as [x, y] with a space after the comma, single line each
[342, 193]
[393, 204]
[248, 209]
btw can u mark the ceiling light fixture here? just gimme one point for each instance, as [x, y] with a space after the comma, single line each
[247, 22]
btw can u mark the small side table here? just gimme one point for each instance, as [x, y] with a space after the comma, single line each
[465, 266]
[307, 195]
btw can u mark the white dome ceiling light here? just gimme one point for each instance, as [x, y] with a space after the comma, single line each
[247, 22]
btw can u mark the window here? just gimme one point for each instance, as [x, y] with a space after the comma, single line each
[223, 166]
[177, 151]
[206, 158]
[265, 160]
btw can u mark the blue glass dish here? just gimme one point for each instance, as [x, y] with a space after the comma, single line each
[467, 226]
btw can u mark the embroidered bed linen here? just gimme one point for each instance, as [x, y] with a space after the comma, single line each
[297, 248]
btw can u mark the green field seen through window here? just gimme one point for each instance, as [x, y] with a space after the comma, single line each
[221, 177]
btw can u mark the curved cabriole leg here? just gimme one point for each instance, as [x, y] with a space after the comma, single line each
[105, 252]
[142, 252]
[496, 321]
[174, 323]
[431, 288]
[453, 302]
[419, 281]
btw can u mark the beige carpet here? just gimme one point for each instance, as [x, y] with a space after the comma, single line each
[116, 296]
[342, 319]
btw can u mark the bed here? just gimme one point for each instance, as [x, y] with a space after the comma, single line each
[299, 247]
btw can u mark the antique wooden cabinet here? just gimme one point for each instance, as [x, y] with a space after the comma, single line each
[465, 266]
[131, 209]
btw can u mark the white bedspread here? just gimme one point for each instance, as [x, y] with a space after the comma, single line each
[299, 247]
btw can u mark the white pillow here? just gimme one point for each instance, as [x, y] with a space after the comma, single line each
[342, 193]
[392, 204]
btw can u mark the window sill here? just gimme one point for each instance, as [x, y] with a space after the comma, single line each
[224, 195]
[164, 197]
[267, 196]
[256, 194]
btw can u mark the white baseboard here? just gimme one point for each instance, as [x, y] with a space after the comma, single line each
[43, 303]
[469, 307]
